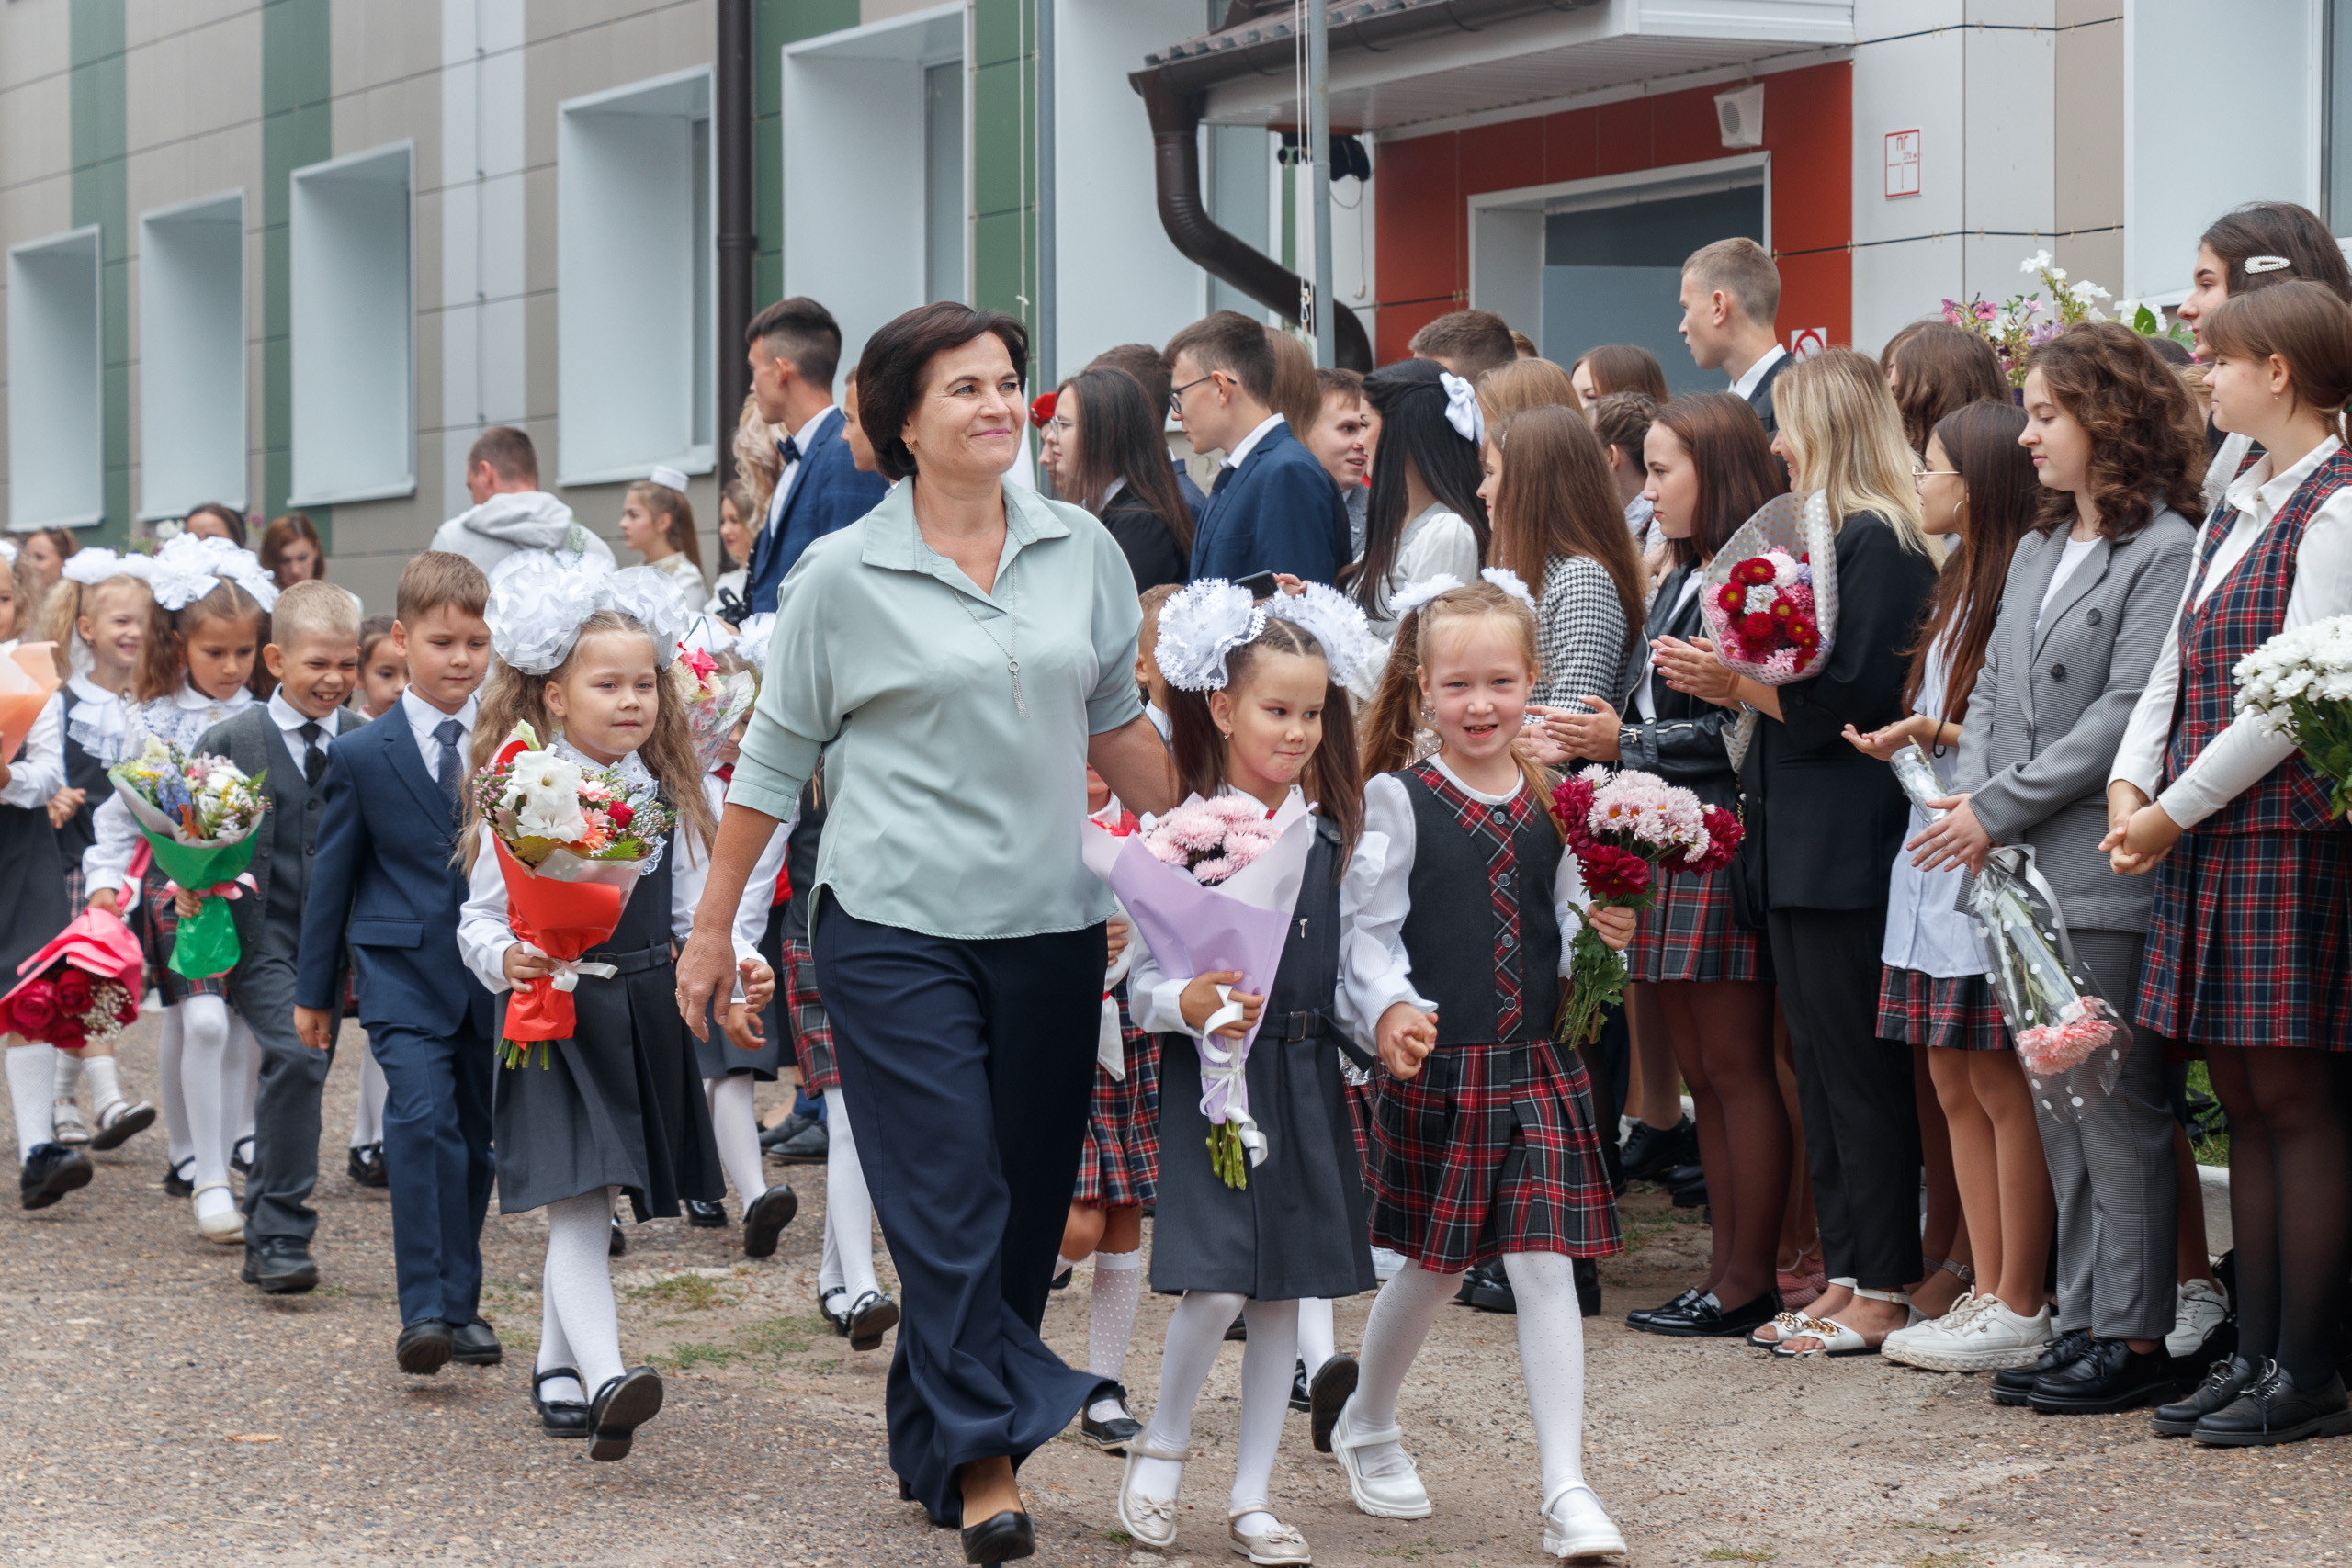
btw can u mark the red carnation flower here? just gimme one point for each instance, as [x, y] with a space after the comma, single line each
[1755, 569]
[1802, 632]
[1572, 809]
[1729, 597]
[1614, 875]
[74, 993]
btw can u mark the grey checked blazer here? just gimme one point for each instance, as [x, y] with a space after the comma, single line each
[2050, 707]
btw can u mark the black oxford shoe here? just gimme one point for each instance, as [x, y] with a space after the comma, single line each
[50, 1171]
[475, 1343]
[281, 1266]
[2224, 1380]
[2108, 1377]
[705, 1217]
[423, 1348]
[765, 1219]
[366, 1164]
[1649, 1150]
[2274, 1410]
[2014, 1385]
[1000, 1538]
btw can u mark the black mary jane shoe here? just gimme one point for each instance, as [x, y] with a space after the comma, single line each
[2014, 1385]
[840, 1320]
[703, 1216]
[475, 1343]
[1708, 1318]
[558, 1418]
[2108, 1377]
[764, 1218]
[177, 1182]
[1640, 1317]
[1327, 1391]
[50, 1171]
[366, 1165]
[240, 1156]
[280, 1266]
[1000, 1538]
[1115, 1434]
[620, 1407]
[868, 1318]
[1298, 1399]
[2224, 1380]
[423, 1348]
[618, 1243]
[2274, 1410]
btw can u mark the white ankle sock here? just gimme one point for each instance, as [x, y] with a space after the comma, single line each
[577, 1282]
[1195, 1332]
[1551, 1360]
[1401, 1316]
[1316, 1342]
[179, 1144]
[1111, 1320]
[367, 1126]
[105, 1086]
[849, 1207]
[736, 1128]
[69, 1075]
[1268, 1361]
[32, 1079]
[205, 1086]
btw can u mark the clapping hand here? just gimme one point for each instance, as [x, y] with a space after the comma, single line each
[1590, 735]
[1694, 669]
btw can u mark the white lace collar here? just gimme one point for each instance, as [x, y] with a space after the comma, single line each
[100, 724]
[182, 718]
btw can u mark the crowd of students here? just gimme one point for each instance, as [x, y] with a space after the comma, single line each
[1404, 603]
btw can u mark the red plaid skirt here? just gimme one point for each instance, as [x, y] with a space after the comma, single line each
[1689, 934]
[1958, 1014]
[812, 1032]
[2251, 942]
[1362, 1099]
[1118, 1167]
[1490, 1149]
[156, 920]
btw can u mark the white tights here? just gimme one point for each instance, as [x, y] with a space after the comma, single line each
[32, 1074]
[848, 1262]
[179, 1146]
[1551, 1359]
[1317, 1342]
[211, 1081]
[736, 1129]
[578, 1325]
[1195, 1332]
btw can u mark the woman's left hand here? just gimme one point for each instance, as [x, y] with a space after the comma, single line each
[1591, 735]
[1540, 746]
[1693, 669]
[1955, 839]
[1116, 936]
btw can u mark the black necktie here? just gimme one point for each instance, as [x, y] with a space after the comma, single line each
[1224, 478]
[789, 450]
[449, 732]
[314, 752]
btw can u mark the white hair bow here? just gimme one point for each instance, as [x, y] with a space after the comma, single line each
[1508, 581]
[539, 604]
[187, 567]
[1462, 409]
[1335, 621]
[1413, 595]
[1205, 621]
[93, 564]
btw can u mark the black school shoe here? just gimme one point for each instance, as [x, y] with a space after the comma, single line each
[1649, 1150]
[177, 1183]
[703, 1216]
[1115, 1434]
[1707, 1318]
[2014, 1385]
[2224, 1380]
[558, 1418]
[868, 1318]
[280, 1266]
[2273, 1410]
[240, 1156]
[999, 1539]
[1326, 1394]
[1687, 1186]
[783, 1132]
[2108, 1377]
[620, 1407]
[475, 1343]
[618, 1243]
[423, 1348]
[51, 1172]
[1640, 1317]
[1299, 1398]
[1586, 1272]
[366, 1164]
[1492, 1290]
[764, 1218]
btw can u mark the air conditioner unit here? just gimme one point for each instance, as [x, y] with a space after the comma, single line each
[1740, 114]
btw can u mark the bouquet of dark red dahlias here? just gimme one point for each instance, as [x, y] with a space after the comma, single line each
[1626, 830]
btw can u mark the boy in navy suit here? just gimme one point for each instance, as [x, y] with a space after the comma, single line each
[1272, 507]
[383, 880]
[794, 347]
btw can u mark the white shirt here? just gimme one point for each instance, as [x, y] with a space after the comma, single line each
[2069, 558]
[1160, 721]
[2236, 760]
[423, 719]
[1924, 931]
[1645, 694]
[685, 573]
[1436, 542]
[38, 770]
[1743, 388]
[801, 438]
[1248, 443]
[182, 718]
[290, 719]
[101, 721]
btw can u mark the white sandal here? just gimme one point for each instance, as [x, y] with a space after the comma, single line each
[1280, 1547]
[1151, 1521]
[1382, 1496]
[1839, 1340]
[227, 1227]
[1791, 1324]
[1592, 1534]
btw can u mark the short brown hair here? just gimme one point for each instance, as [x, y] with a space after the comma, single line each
[1476, 341]
[1526, 384]
[508, 452]
[315, 608]
[439, 579]
[1143, 363]
[1230, 342]
[1623, 367]
[1297, 396]
[2147, 440]
[891, 373]
[1524, 345]
[1939, 367]
[803, 332]
[1337, 382]
[2302, 324]
[1743, 269]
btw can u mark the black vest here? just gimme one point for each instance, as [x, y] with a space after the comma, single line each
[296, 807]
[644, 923]
[1298, 1005]
[88, 774]
[1482, 921]
[800, 861]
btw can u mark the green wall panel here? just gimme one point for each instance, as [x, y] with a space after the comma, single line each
[98, 94]
[1004, 157]
[776, 23]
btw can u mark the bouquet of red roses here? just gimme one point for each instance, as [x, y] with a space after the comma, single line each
[1626, 830]
[82, 988]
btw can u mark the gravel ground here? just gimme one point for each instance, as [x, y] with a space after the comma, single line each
[158, 1412]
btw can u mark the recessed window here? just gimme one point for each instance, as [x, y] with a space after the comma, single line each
[192, 444]
[352, 322]
[56, 426]
[635, 271]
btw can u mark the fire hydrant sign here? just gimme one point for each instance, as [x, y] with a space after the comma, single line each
[1901, 164]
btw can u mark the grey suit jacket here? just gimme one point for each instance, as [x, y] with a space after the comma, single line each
[252, 740]
[2049, 709]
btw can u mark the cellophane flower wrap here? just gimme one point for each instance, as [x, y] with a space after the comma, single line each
[2299, 685]
[81, 989]
[199, 815]
[2070, 1039]
[1626, 830]
[571, 840]
[714, 702]
[1769, 599]
[1211, 886]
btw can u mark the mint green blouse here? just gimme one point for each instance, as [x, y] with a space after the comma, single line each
[949, 811]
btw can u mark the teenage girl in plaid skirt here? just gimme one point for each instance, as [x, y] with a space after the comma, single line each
[1483, 1141]
[2249, 957]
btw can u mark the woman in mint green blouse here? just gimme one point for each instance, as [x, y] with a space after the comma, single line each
[957, 656]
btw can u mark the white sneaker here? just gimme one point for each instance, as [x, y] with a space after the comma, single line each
[2200, 1309]
[1990, 1338]
[1396, 1496]
[1966, 1307]
[1575, 1525]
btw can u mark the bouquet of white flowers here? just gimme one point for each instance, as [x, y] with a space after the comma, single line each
[2299, 683]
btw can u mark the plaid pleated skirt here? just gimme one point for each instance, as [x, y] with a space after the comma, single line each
[812, 1032]
[156, 920]
[2250, 943]
[1689, 934]
[1118, 1166]
[1490, 1148]
[1361, 1098]
[1956, 1014]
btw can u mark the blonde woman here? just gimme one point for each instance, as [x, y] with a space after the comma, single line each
[1825, 823]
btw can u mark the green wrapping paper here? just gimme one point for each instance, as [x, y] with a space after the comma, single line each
[204, 944]
[207, 944]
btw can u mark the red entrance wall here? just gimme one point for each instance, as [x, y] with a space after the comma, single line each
[1421, 225]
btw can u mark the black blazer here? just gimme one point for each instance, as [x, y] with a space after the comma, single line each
[1685, 744]
[1827, 819]
[1278, 511]
[1152, 552]
[1760, 400]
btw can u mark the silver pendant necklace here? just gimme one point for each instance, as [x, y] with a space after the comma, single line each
[1013, 610]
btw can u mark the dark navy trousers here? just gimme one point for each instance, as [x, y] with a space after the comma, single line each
[436, 1153]
[972, 1061]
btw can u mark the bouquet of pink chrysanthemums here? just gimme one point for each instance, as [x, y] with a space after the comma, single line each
[1212, 838]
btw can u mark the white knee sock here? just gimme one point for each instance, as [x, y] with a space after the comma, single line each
[179, 1143]
[578, 1286]
[32, 1079]
[105, 1086]
[367, 1127]
[737, 1131]
[1267, 1363]
[69, 1075]
[1316, 1341]
[1195, 1332]
[205, 1086]
[1551, 1359]
[1401, 1316]
[1111, 1320]
[243, 1067]
[849, 1207]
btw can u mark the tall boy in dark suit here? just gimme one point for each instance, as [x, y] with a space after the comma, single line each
[1272, 507]
[1731, 298]
[314, 653]
[794, 347]
[384, 880]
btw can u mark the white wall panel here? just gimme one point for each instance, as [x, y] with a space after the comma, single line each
[56, 459]
[192, 355]
[352, 298]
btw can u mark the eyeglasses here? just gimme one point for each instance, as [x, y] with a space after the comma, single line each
[1176, 394]
[1061, 425]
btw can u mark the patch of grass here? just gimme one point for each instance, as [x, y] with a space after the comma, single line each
[1737, 1554]
[779, 1336]
[333, 1293]
[685, 1293]
[1641, 1228]
[1116, 1536]
[833, 1365]
[690, 1355]
[1408, 1551]
[2213, 1149]
[520, 1341]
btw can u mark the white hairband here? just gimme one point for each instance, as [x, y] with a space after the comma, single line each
[1508, 581]
[670, 478]
[1335, 622]
[8, 551]
[539, 604]
[184, 568]
[1462, 409]
[1203, 623]
[1413, 595]
[2267, 263]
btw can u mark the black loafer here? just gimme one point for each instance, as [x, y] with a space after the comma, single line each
[705, 1217]
[51, 1172]
[366, 1164]
[1298, 1399]
[999, 1539]
[619, 1242]
[1649, 1150]
[1115, 1434]
[475, 1343]
[2273, 1410]
[281, 1266]
[620, 1407]
[1640, 1317]
[558, 1418]
[2014, 1385]
[129, 1122]
[2108, 1377]
[764, 1218]
[869, 1317]
[423, 1348]
[810, 1145]
[176, 1183]
[1707, 1318]
[1327, 1391]
[2224, 1380]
